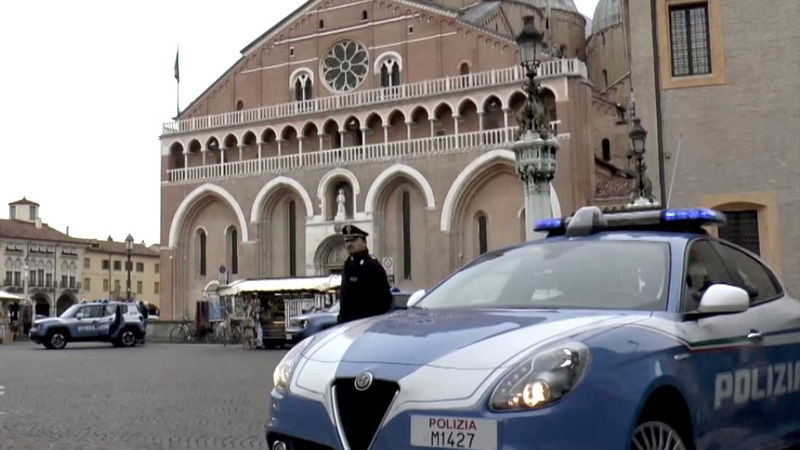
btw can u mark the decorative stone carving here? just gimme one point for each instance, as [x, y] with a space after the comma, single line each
[345, 66]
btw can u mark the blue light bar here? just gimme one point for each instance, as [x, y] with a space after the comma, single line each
[548, 224]
[703, 215]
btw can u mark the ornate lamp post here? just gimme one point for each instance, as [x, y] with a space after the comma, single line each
[536, 147]
[129, 249]
[642, 192]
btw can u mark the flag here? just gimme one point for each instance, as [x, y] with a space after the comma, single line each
[177, 67]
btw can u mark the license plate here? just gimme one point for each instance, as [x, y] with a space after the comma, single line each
[453, 432]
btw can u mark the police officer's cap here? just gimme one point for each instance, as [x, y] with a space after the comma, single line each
[353, 231]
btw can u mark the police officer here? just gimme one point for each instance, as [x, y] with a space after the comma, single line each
[145, 312]
[365, 289]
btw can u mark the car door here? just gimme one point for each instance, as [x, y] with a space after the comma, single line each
[774, 322]
[718, 347]
[107, 327]
[86, 326]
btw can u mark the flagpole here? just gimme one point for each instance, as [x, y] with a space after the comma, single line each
[178, 82]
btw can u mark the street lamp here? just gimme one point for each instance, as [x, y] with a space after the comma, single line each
[129, 249]
[528, 41]
[642, 192]
[536, 148]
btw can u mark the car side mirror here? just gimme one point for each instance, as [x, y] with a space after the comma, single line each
[415, 298]
[723, 298]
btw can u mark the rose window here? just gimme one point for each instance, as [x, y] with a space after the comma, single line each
[345, 66]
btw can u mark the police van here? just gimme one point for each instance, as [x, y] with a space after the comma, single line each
[119, 323]
[631, 330]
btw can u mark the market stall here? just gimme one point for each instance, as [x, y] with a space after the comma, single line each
[275, 301]
[9, 314]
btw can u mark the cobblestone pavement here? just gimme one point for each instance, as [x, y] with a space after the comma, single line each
[157, 396]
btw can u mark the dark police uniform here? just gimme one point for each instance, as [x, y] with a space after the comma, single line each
[365, 289]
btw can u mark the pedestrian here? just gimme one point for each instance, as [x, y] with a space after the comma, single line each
[144, 311]
[365, 288]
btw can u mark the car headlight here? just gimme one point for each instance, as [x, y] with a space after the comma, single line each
[283, 372]
[303, 324]
[541, 379]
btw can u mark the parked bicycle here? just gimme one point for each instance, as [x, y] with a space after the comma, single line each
[181, 332]
[225, 332]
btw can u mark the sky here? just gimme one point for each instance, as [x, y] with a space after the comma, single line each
[85, 86]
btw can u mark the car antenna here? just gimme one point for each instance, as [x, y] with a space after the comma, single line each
[674, 169]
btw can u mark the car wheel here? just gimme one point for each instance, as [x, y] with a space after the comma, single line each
[56, 340]
[127, 338]
[657, 435]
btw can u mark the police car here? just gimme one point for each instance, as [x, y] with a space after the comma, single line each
[627, 330]
[119, 323]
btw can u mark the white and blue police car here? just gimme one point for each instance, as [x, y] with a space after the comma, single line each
[631, 330]
[117, 322]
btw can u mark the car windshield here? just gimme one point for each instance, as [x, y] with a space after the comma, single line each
[334, 308]
[70, 312]
[631, 275]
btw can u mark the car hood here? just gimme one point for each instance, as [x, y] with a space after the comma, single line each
[51, 320]
[462, 339]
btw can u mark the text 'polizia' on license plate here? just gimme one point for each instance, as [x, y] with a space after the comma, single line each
[453, 432]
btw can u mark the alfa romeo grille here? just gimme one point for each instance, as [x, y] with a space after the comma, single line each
[361, 412]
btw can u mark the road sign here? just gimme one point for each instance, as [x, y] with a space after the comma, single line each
[222, 275]
[388, 265]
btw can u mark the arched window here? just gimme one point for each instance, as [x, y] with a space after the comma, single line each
[549, 99]
[406, 236]
[302, 87]
[233, 250]
[605, 78]
[464, 68]
[321, 24]
[239, 105]
[606, 150]
[483, 244]
[364, 15]
[390, 72]
[292, 239]
[201, 252]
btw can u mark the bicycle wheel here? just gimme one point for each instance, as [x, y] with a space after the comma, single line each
[178, 334]
[236, 335]
[211, 336]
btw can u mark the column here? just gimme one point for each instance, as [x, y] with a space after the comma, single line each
[480, 120]
[386, 132]
[300, 140]
[280, 145]
[408, 131]
[222, 155]
[185, 159]
[505, 117]
[432, 120]
[260, 148]
[202, 152]
[241, 147]
[456, 119]
[363, 136]
[536, 165]
[321, 141]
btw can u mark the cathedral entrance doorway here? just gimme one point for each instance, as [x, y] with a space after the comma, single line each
[330, 255]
